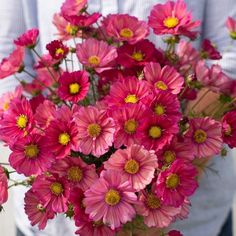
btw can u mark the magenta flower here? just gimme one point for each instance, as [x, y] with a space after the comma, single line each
[155, 213]
[231, 25]
[138, 54]
[164, 104]
[214, 78]
[36, 212]
[96, 54]
[209, 50]
[163, 79]
[53, 192]
[57, 49]
[173, 18]
[73, 7]
[128, 90]
[134, 164]
[178, 149]
[110, 199]
[205, 136]
[73, 86]
[156, 132]
[30, 156]
[123, 27]
[176, 183]
[95, 130]
[3, 186]
[18, 120]
[229, 128]
[13, 63]
[28, 39]
[128, 119]
[75, 171]
[45, 114]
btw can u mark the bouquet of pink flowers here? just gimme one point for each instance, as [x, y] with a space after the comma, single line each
[110, 131]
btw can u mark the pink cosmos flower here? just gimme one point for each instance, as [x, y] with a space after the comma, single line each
[45, 114]
[76, 171]
[13, 63]
[95, 130]
[209, 50]
[109, 199]
[123, 27]
[174, 233]
[128, 90]
[184, 210]
[3, 186]
[138, 54]
[30, 156]
[173, 18]
[46, 60]
[127, 120]
[52, 191]
[164, 104]
[178, 149]
[176, 183]
[18, 120]
[155, 213]
[188, 55]
[91, 228]
[163, 79]
[229, 128]
[213, 78]
[231, 25]
[65, 30]
[73, 7]
[28, 39]
[83, 21]
[135, 164]
[96, 54]
[73, 86]
[6, 98]
[61, 137]
[156, 132]
[205, 136]
[36, 212]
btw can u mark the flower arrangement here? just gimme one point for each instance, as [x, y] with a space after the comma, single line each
[109, 131]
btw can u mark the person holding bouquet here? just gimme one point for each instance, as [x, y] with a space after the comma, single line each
[180, 71]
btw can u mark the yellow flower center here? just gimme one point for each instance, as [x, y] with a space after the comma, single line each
[228, 131]
[126, 33]
[22, 121]
[94, 60]
[74, 88]
[153, 202]
[94, 130]
[75, 174]
[172, 181]
[5, 106]
[137, 56]
[155, 132]
[64, 139]
[31, 151]
[161, 85]
[130, 126]
[200, 136]
[169, 157]
[56, 188]
[233, 35]
[71, 29]
[112, 197]
[159, 110]
[59, 51]
[171, 22]
[131, 98]
[132, 166]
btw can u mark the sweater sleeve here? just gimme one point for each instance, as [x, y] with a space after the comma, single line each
[214, 28]
[12, 24]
